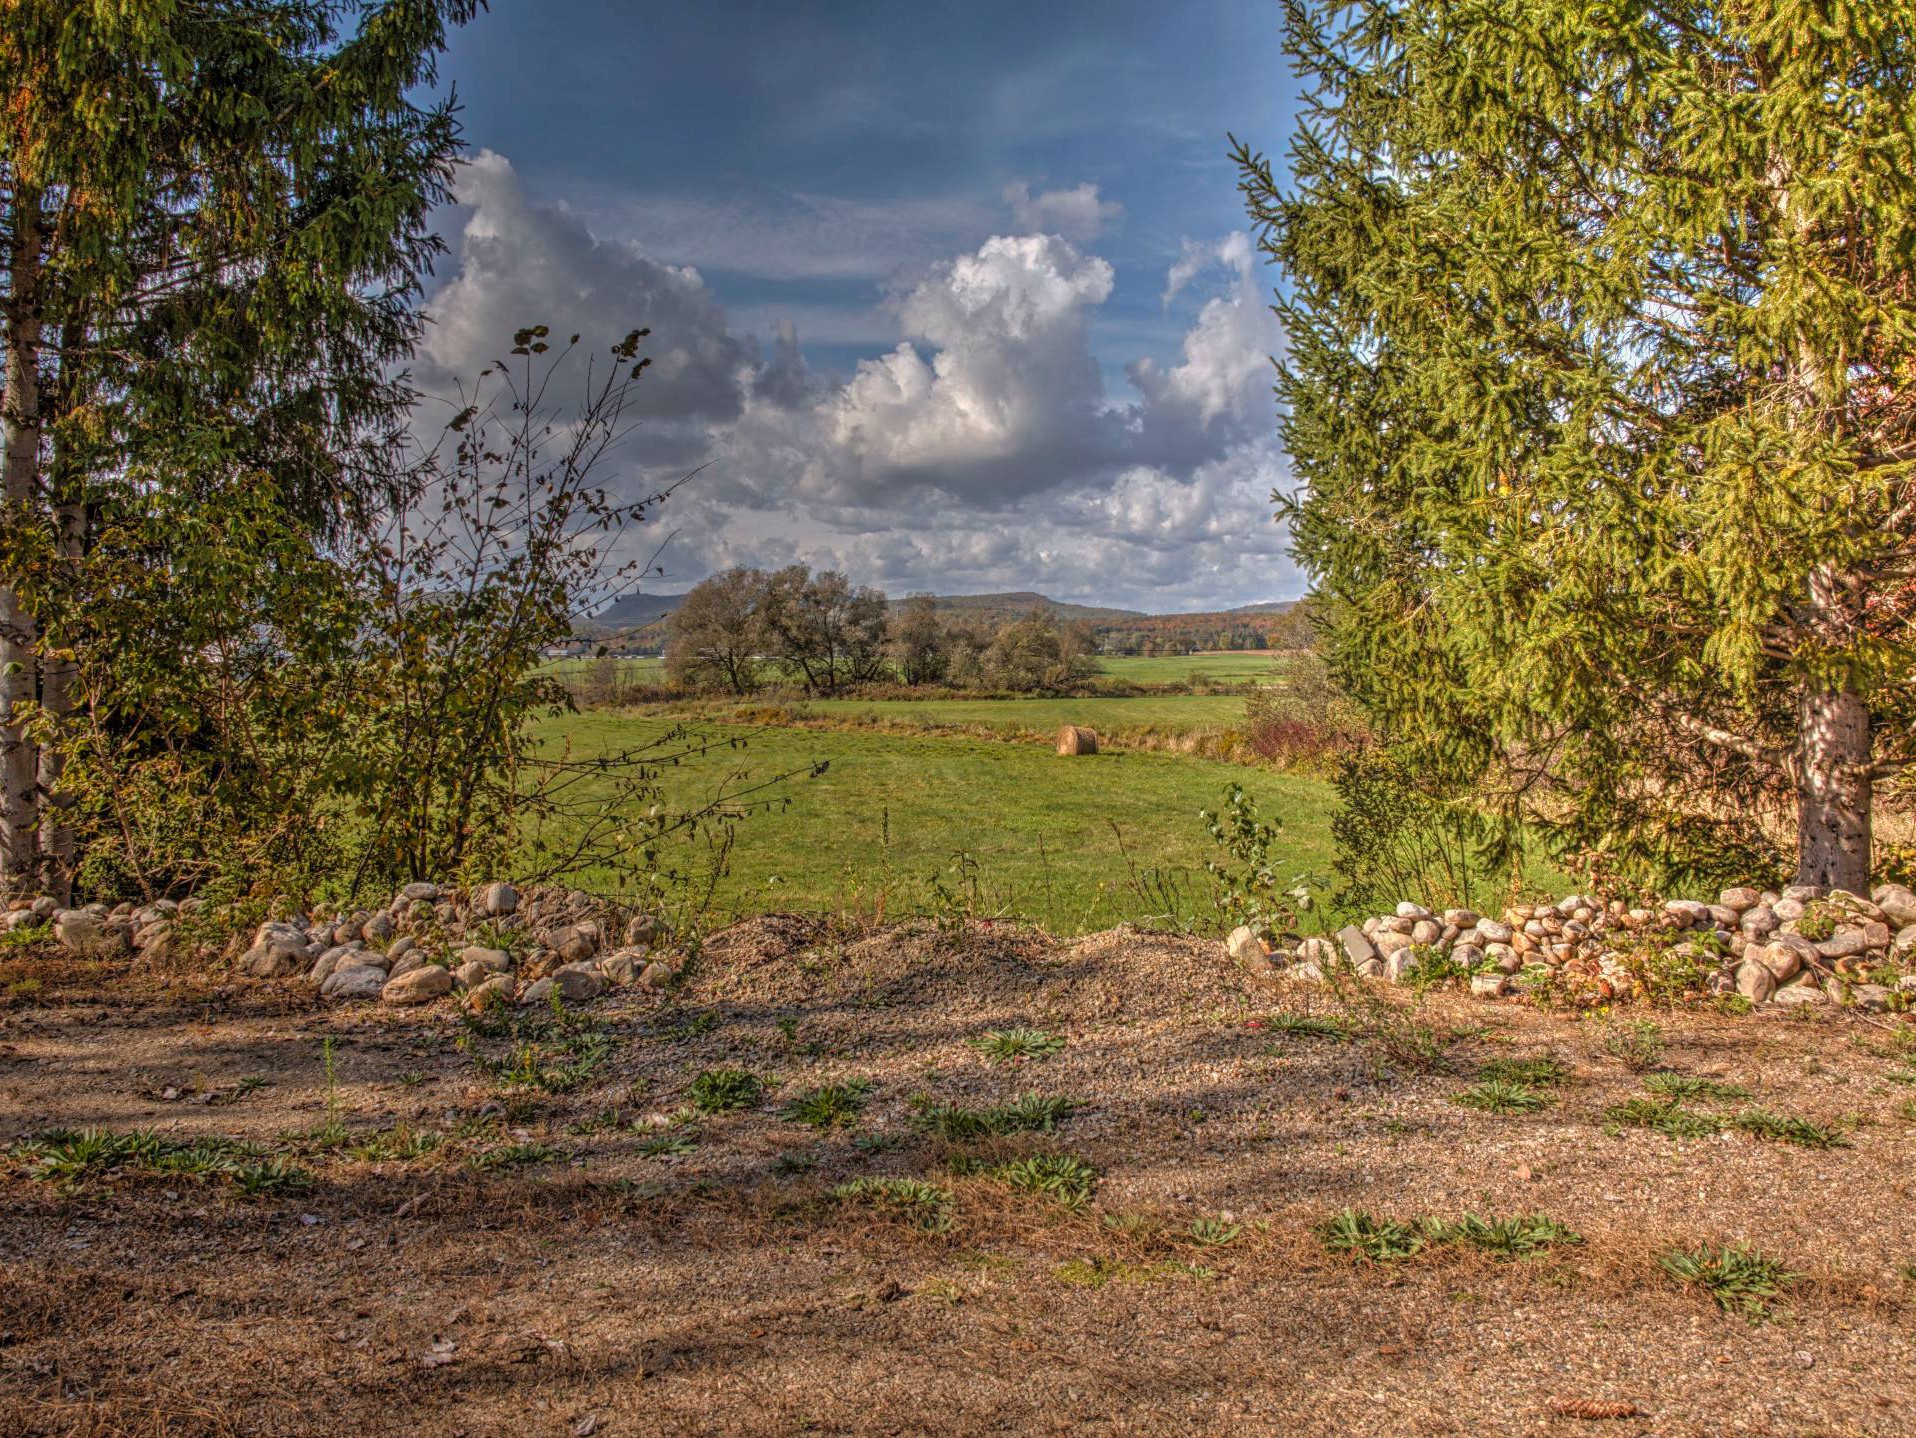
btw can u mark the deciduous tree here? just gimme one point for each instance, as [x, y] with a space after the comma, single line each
[715, 636]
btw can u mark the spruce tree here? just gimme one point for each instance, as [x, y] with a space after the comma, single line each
[1601, 391]
[212, 226]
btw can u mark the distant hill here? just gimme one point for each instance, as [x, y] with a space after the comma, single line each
[635, 611]
[638, 621]
[1018, 604]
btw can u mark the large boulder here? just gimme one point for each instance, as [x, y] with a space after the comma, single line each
[354, 983]
[1782, 960]
[1357, 948]
[623, 967]
[574, 984]
[86, 935]
[1247, 950]
[491, 993]
[280, 950]
[1897, 903]
[420, 986]
[646, 929]
[1755, 982]
[574, 943]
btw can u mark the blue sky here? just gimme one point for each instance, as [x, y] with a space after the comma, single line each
[952, 297]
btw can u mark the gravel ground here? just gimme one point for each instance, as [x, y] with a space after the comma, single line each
[554, 1266]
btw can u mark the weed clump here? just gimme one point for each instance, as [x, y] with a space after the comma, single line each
[1737, 1277]
[1501, 1096]
[1017, 1045]
[1057, 1176]
[75, 1157]
[834, 1105]
[925, 1205]
[1034, 1113]
[1378, 1240]
[724, 1089]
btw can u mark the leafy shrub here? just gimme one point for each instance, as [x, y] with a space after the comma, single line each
[1248, 886]
[1398, 837]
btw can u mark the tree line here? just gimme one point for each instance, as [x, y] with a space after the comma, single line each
[742, 630]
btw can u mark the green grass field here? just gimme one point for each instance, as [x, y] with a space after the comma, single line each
[1177, 713]
[1045, 835]
[1235, 666]
[633, 669]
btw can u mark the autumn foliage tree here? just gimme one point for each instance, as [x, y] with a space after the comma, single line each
[1601, 387]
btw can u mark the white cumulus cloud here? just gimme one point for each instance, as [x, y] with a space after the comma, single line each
[1078, 213]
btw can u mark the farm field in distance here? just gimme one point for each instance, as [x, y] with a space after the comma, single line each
[1109, 715]
[1045, 836]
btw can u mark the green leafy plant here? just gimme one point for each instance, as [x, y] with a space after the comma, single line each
[74, 1158]
[829, 1105]
[1637, 1044]
[1031, 1113]
[1664, 1116]
[1509, 1237]
[1060, 1177]
[723, 1089]
[1501, 1096]
[1312, 1026]
[1358, 1233]
[1787, 1128]
[925, 1205]
[513, 1155]
[1687, 1086]
[269, 1176]
[1247, 884]
[1541, 1071]
[1212, 1233]
[399, 1144]
[1737, 1278]
[1016, 1045]
[675, 1144]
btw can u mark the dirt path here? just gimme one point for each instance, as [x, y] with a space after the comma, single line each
[480, 1254]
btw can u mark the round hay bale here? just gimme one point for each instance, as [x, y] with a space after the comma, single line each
[1074, 740]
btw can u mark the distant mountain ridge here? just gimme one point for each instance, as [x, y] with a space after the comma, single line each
[636, 611]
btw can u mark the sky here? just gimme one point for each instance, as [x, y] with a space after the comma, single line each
[956, 298]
